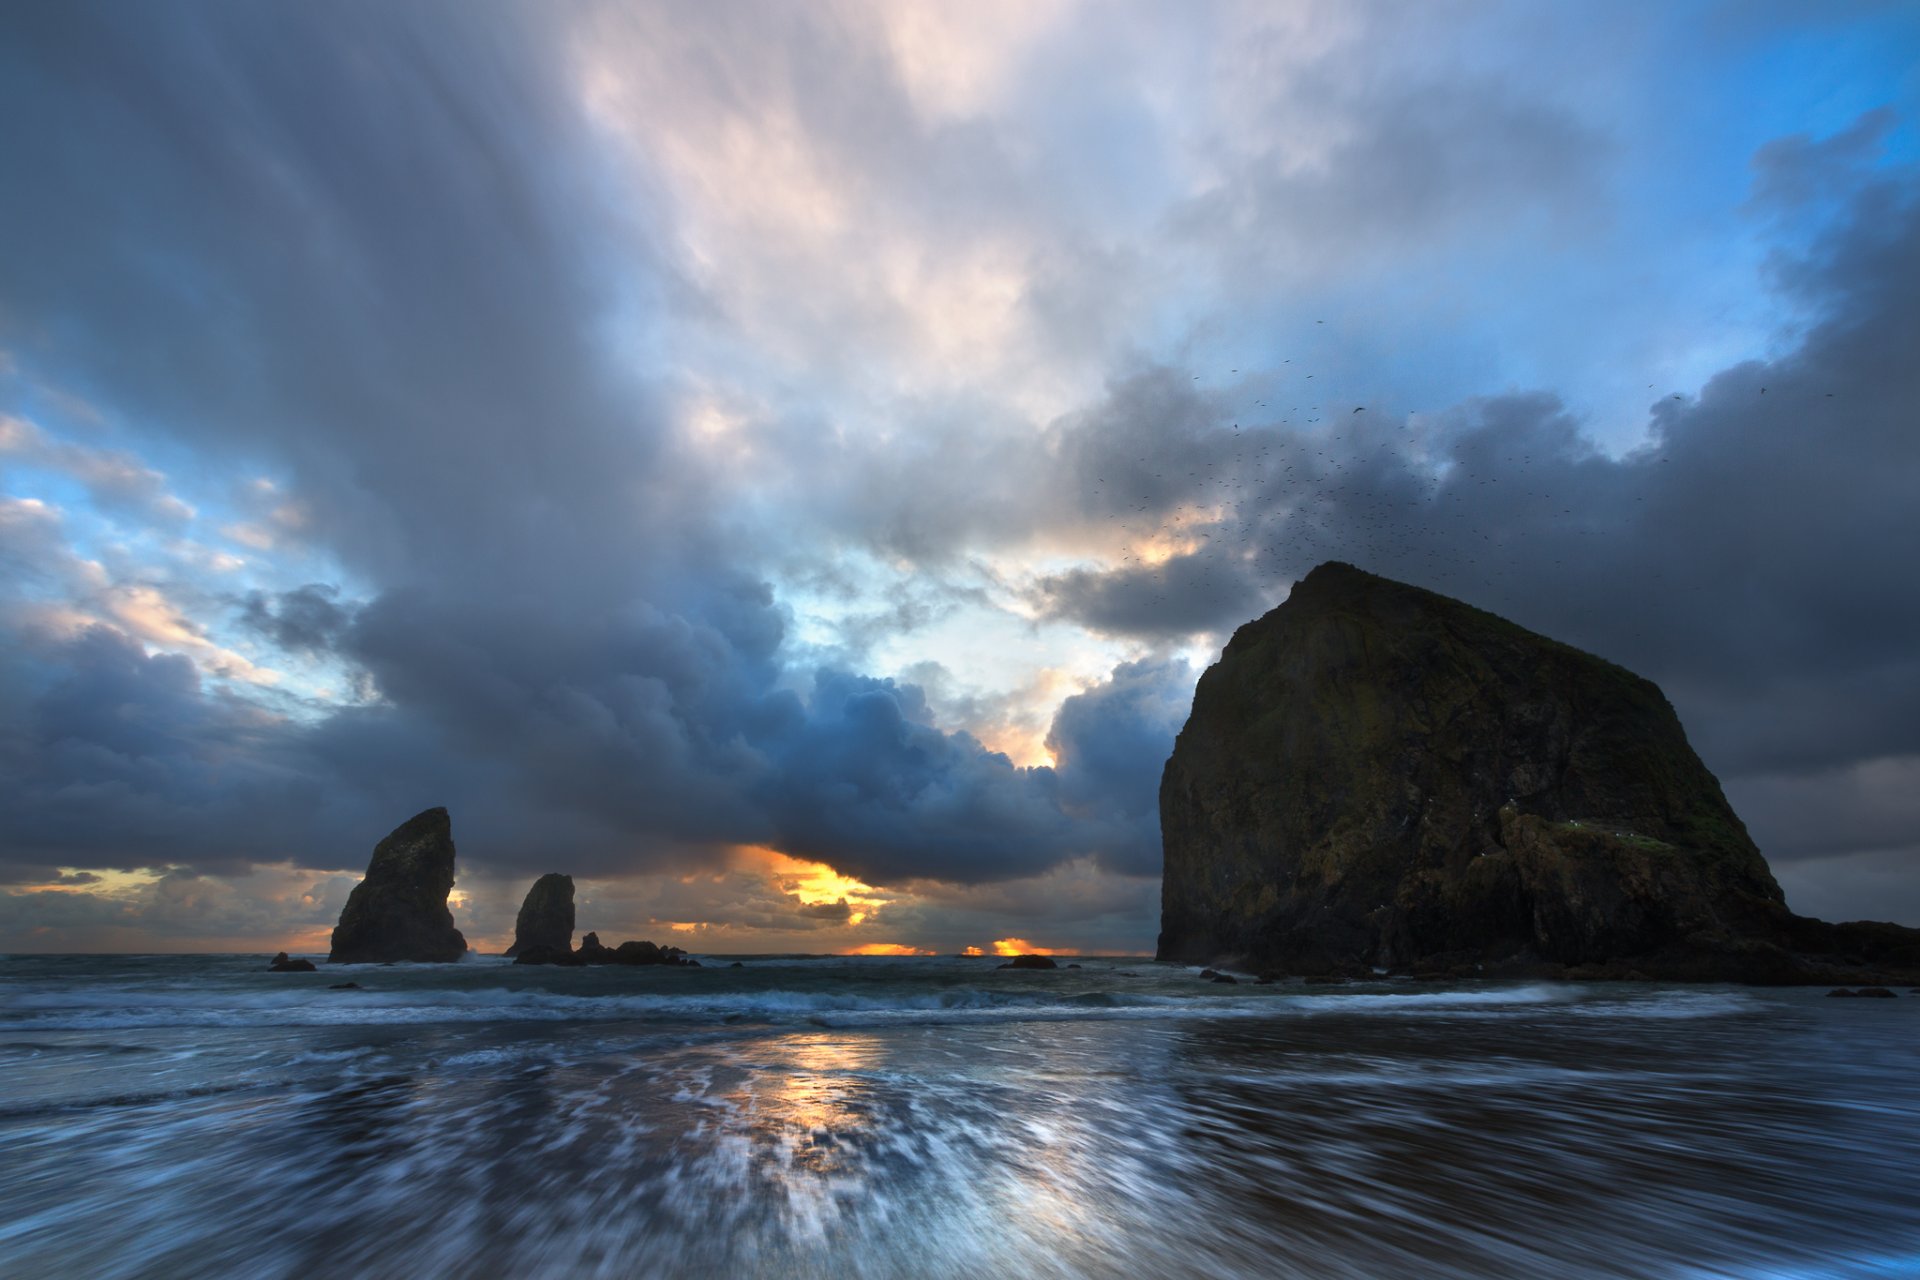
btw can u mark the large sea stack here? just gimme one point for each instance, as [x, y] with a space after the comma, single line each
[546, 916]
[1378, 777]
[399, 912]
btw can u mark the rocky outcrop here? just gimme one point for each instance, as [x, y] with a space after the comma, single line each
[281, 964]
[1030, 962]
[1376, 776]
[591, 952]
[399, 911]
[546, 916]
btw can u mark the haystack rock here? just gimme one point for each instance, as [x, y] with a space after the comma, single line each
[546, 916]
[399, 912]
[1375, 776]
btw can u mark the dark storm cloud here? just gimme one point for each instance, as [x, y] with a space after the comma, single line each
[1185, 594]
[353, 245]
[1799, 170]
[1110, 744]
[867, 783]
[307, 619]
[124, 760]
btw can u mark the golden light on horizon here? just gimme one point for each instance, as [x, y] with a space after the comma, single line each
[1021, 947]
[86, 880]
[973, 951]
[888, 949]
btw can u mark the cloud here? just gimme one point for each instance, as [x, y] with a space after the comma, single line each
[633, 381]
[1793, 172]
[115, 480]
[305, 620]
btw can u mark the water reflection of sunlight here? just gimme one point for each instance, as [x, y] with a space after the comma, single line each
[816, 1102]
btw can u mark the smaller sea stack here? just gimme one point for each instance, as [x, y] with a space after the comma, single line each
[546, 916]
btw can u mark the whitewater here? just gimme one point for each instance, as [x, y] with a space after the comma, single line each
[198, 1116]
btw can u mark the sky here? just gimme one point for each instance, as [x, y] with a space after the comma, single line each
[787, 464]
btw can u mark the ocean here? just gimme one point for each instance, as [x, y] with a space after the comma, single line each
[199, 1116]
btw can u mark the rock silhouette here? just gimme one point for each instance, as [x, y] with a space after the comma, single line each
[1375, 776]
[546, 916]
[399, 911]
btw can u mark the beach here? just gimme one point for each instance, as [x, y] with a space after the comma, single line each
[198, 1116]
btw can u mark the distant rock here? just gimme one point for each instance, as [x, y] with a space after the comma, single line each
[1030, 962]
[1872, 993]
[1375, 776]
[550, 955]
[346, 986]
[399, 911]
[639, 953]
[546, 915]
[591, 952]
[280, 964]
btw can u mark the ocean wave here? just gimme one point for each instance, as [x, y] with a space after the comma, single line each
[81, 1010]
[53, 1008]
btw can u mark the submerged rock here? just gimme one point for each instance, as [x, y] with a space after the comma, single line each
[1873, 993]
[1030, 962]
[399, 911]
[546, 916]
[280, 964]
[1374, 775]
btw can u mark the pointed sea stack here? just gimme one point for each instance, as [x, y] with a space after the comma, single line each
[546, 916]
[1377, 776]
[399, 912]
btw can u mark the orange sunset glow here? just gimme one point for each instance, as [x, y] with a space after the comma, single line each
[812, 883]
[1021, 947]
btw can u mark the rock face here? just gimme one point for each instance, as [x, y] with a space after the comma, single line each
[546, 916]
[399, 912]
[1374, 775]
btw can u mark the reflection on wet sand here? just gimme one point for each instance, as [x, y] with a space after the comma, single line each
[1518, 1134]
